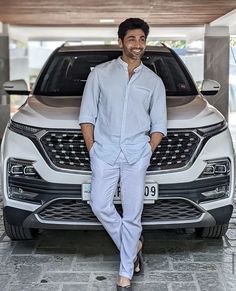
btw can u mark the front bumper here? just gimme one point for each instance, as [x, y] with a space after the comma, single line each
[179, 205]
[203, 219]
[61, 206]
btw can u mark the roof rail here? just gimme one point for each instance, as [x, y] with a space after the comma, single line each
[71, 42]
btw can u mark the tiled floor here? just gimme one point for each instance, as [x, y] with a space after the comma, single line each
[88, 260]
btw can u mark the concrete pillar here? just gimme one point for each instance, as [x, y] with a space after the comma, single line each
[4, 76]
[216, 64]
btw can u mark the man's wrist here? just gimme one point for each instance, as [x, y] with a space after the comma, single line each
[153, 147]
[89, 144]
[155, 140]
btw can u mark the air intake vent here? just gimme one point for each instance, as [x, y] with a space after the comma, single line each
[76, 210]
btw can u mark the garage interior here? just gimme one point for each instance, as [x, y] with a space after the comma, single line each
[187, 263]
[210, 22]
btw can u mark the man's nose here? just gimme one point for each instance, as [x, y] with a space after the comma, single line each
[138, 43]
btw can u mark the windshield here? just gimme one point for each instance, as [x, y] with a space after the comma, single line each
[66, 73]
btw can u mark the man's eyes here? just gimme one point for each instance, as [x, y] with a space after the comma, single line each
[133, 39]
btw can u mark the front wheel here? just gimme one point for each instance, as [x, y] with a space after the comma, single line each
[18, 232]
[216, 231]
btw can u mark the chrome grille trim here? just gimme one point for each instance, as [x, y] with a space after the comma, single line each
[67, 150]
[74, 210]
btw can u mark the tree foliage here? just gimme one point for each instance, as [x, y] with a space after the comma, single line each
[233, 41]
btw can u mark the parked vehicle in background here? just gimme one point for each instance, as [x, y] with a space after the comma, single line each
[45, 164]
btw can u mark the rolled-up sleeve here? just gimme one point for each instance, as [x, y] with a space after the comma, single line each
[89, 104]
[158, 113]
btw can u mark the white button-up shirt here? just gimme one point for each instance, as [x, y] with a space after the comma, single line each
[123, 110]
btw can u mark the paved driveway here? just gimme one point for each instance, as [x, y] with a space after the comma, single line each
[88, 260]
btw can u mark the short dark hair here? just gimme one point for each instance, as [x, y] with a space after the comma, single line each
[132, 23]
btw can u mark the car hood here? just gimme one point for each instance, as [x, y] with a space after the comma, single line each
[63, 112]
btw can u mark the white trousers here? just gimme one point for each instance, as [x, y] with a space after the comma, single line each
[125, 231]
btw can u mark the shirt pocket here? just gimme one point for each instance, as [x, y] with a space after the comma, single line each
[142, 95]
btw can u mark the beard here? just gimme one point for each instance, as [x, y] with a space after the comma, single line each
[134, 53]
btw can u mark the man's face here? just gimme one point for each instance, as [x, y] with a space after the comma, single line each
[133, 44]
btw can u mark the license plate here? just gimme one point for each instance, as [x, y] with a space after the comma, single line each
[150, 193]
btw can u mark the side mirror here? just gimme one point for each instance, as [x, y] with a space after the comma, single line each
[17, 87]
[209, 87]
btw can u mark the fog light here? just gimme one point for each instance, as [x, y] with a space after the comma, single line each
[15, 190]
[19, 194]
[219, 192]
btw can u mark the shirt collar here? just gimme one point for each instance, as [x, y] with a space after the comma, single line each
[125, 65]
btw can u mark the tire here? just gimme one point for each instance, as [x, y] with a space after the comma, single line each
[18, 232]
[216, 231]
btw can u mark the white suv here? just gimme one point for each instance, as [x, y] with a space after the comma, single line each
[45, 164]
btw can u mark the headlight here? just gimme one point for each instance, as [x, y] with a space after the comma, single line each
[220, 170]
[216, 168]
[214, 129]
[20, 175]
[21, 168]
[23, 129]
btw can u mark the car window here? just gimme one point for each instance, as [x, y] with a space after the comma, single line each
[172, 74]
[66, 73]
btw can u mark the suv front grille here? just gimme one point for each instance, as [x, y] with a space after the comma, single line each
[76, 210]
[174, 151]
[68, 150]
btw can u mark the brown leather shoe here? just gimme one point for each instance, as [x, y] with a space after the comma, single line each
[139, 261]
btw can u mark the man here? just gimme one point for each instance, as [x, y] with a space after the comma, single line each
[123, 119]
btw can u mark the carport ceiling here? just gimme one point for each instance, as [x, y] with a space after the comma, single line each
[91, 12]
